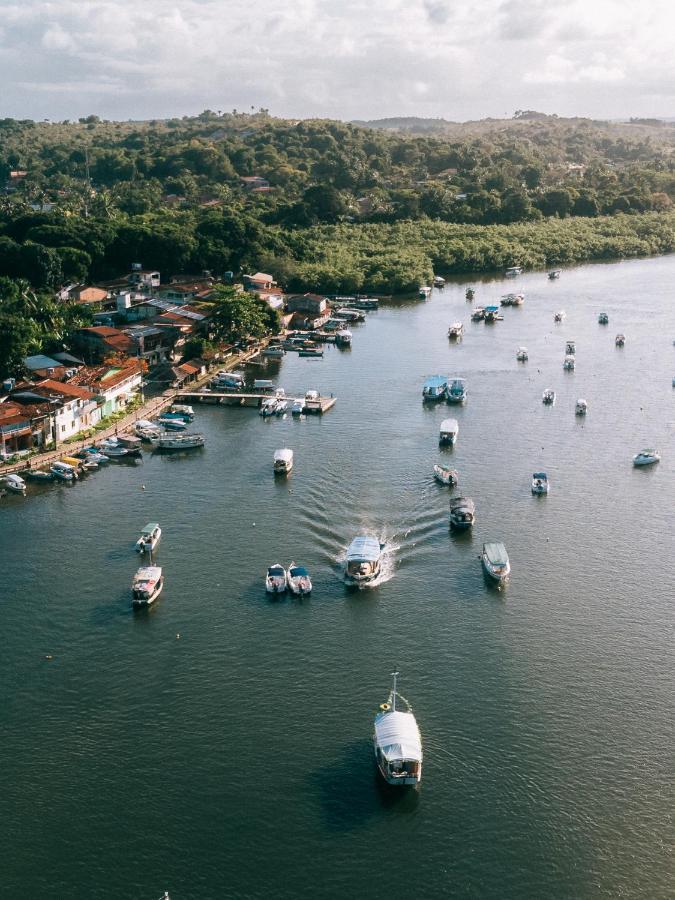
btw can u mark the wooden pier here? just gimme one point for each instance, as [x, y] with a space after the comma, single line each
[239, 398]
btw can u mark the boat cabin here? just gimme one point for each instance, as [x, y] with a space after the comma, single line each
[283, 460]
[147, 585]
[150, 535]
[363, 559]
[448, 431]
[462, 512]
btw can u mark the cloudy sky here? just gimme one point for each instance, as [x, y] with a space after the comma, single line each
[459, 59]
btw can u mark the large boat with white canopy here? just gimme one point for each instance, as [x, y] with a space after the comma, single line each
[363, 559]
[283, 461]
[448, 431]
[147, 585]
[495, 561]
[397, 741]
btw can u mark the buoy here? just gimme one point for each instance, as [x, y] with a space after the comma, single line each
[254, 524]
[49, 656]
[142, 487]
[178, 637]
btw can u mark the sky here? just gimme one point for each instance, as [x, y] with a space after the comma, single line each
[343, 59]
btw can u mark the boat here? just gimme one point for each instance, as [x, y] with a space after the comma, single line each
[540, 483]
[570, 348]
[548, 396]
[188, 441]
[560, 316]
[171, 423]
[492, 314]
[349, 315]
[275, 580]
[457, 392]
[469, 294]
[143, 425]
[478, 314]
[448, 432]
[229, 380]
[620, 340]
[439, 281]
[424, 292]
[131, 443]
[283, 461]
[512, 300]
[298, 580]
[311, 352]
[149, 434]
[263, 384]
[273, 351]
[177, 416]
[397, 741]
[63, 471]
[495, 561]
[569, 363]
[435, 387]
[15, 483]
[268, 407]
[646, 457]
[39, 475]
[146, 586]
[91, 453]
[297, 407]
[521, 355]
[363, 560]
[150, 535]
[582, 407]
[343, 337]
[183, 409]
[455, 331]
[553, 274]
[446, 475]
[462, 512]
[603, 319]
[113, 450]
[282, 406]
[512, 271]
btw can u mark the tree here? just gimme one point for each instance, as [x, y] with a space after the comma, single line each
[237, 316]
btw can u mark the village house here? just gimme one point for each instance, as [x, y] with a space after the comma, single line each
[82, 294]
[113, 386]
[72, 408]
[255, 183]
[16, 433]
[258, 282]
[41, 366]
[153, 344]
[100, 341]
[143, 279]
[309, 303]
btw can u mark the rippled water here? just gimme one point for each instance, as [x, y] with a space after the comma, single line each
[219, 745]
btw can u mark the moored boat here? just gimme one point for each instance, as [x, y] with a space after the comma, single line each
[268, 407]
[620, 340]
[183, 409]
[448, 432]
[14, 483]
[150, 537]
[275, 579]
[39, 475]
[603, 319]
[435, 387]
[298, 580]
[457, 391]
[581, 407]
[553, 274]
[397, 742]
[540, 483]
[548, 397]
[512, 271]
[646, 457]
[146, 586]
[424, 292]
[495, 561]
[560, 316]
[297, 407]
[63, 471]
[273, 351]
[283, 461]
[492, 314]
[172, 423]
[363, 560]
[522, 355]
[569, 363]
[188, 441]
[478, 314]
[456, 331]
[462, 512]
[343, 337]
[446, 475]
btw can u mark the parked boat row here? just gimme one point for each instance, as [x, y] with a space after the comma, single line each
[295, 579]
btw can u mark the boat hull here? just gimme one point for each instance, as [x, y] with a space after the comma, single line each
[499, 576]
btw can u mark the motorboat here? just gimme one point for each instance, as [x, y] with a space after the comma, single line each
[343, 337]
[457, 391]
[462, 512]
[548, 396]
[114, 450]
[298, 580]
[171, 423]
[363, 560]
[282, 407]
[492, 314]
[581, 408]
[495, 561]
[149, 434]
[603, 319]
[521, 355]
[275, 580]
[143, 425]
[570, 348]
[177, 416]
[263, 384]
[512, 271]
[540, 483]
[63, 471]
[448, 431]
[569, 363]
[228, 380]
[397, 741]
[446, 475]
[424, 292]
[455, 331]
[435, 387]
[311, 352]
[646, 457]
[268, 407]
[39, 475]
[560, 316]
[81, 466]
[15, 483]
[312, 395]
[94, 454]
[283, 461]
[183, 410]
[274, 351]
[131, 443]
[555, 273]
[478, 314]
[469, 294]
[146, 586]
[349, 315]
[620, 340]
[150, 536]
[512, 300]
[439, 281]
[188, 441]
[297, 407]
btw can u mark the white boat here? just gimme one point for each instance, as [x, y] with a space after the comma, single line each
[495, 561]
[283, 461]
[397, 741]
[282, 407]
[63, 471]
[540, 483]
[146, 586]
[448, 431]
[149, 434]
[187, 441]
[343, 337]
[183, 409]
[620, 340]
[95, 455]
[462, 512]
[521, 355]
[569, 363]
[15, 483]
[456, 331]
[363, 559]
[268, 407]
[582, 407]
[439, 281]
[478, 314]
[555, 273]
[263, 384]
[172, 424]
[297, 407]
[149, 538]
[457, 391]
[275, 580]
[560, 316]
[512, 271]
[548, 396]
[435, 387]
[142, 424]
[39, 475]
[114, 451]
[646, 457]
[228, 380]
[424, 292]
[274, 351]
[603, 319]
[512, 300]
[298, 580]
[446, 475]
[570, 348]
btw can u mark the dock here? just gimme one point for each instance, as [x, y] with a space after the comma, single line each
[240, 398]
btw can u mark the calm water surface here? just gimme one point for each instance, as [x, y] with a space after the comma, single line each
[235, 760]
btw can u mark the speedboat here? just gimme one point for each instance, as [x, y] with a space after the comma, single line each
[397, 741]
[435, 387]
[560, 316]
[15, 483]
[439, 281]
[492, 314]
[228, 380]
[343, 337]
[113, 450]
[548, 396]
[540, 483]
[147, 585]
[263, 384]
[581, 408]
[149, 538]
[283, 461]
[269, 407]
[93, 454]
[275, 580]
[172, 424]
[171, 415]
[512, 300]
[311, 352]
[63, 471]
[273, 351]
[457, 391]
[570, 348]
[39, 475]
[455, 331]
[448, 432]
[183, 409]
[298, 580]
[462, 512]
[495, 561]
[646, 457]
[363, 560]
[521, 355]
[603, 319]
[297, 407]
[446, 475]
[424, 292]
[282, 407]
[188, 441]
[478, 314]
[149, 434]
[512, 271]
[620, 340]
[469, 294]
[568, 363]
[555, 273]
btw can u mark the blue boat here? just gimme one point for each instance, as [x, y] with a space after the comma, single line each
[435, 387]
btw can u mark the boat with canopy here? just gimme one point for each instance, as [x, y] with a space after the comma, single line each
[397, 741]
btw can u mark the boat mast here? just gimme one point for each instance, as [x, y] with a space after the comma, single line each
[393, 692]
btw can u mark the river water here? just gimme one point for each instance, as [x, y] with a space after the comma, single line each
[219, 745]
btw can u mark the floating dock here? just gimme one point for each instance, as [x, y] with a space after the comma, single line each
[240, 398]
